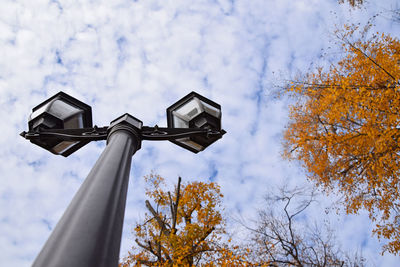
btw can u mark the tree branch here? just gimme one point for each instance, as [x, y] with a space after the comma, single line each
[175, 206]
[158, 219]
[371, 59]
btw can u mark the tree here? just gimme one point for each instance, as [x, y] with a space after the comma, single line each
[181, 229]
[353, 3]
[281, 239]
[345, 129]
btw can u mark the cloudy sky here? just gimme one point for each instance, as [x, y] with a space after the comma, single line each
[140, 57]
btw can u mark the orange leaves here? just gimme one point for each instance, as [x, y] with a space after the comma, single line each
[353, 3]
[345, 128]
[182, 228]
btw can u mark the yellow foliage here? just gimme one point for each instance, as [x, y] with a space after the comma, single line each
[184, 230]
[345, 129]
[353, 3]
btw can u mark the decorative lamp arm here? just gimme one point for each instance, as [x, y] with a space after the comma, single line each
[100, 133]
[82, 134]
[163, 133]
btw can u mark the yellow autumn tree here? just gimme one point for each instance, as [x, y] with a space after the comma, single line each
[345, 129]
[353, 3]
[183, 228]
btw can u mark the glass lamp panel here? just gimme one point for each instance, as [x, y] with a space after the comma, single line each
[63, 146]
[190, 109]
[39, 111]
[190, 143]
[178, 122]
[200, 122]
[59, 109]
[74, 122]
[211, 110]
[63, 110]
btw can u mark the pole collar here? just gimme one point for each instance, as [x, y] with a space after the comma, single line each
[129, 124]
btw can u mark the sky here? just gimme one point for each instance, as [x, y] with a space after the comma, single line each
[139, 57]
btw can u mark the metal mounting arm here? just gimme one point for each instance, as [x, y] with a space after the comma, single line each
[82, 134]
[163, 133]
[100, 133]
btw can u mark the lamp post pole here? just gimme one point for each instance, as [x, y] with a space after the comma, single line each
[89, 232]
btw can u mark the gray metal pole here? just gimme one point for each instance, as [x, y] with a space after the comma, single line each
[89, 232]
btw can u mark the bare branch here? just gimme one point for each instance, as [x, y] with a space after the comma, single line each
[284, 241]
[175, 207]
[158, 219]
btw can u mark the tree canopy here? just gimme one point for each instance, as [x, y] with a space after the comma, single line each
[183, 229]
[353, 3]
[345, 129]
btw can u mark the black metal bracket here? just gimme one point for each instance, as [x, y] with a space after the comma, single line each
[82, 134]
[163, 133]
[100, 133]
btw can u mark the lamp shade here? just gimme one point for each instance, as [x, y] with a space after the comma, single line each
[197, 112]
[61, 111]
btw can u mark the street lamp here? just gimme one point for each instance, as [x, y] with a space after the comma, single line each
[60, 112]
[89, 232]
[195, 111]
